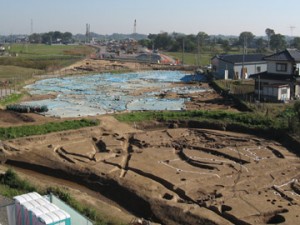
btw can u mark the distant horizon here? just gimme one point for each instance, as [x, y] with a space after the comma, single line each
[225, 35]
[218, 17]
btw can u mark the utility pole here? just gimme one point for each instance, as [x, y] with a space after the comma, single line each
[198, 48]
[259, 88]
[292, 31]
[243, 62]
[31, 26]
[182, 51]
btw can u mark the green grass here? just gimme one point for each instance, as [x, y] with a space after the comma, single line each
[10, 99]
[44, 57]
[16, 72]
[191, 58]
[29, 130]
[249, 120]
[29, 50]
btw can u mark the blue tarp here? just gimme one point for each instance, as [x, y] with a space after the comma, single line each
[108, 93]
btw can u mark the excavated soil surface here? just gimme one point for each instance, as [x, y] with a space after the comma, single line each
[171, 176]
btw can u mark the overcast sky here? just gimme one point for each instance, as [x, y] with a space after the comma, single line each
[228, 17]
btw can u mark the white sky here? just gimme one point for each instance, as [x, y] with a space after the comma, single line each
[228, 17]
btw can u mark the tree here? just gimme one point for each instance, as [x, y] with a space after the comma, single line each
[203, 38]
[146, 43]
[57, 36]
[246, 38]
[269, 32]
[35, 38]
[296, 43]
[161, 41]
[226, 45]
[260, 45]
[67, 37]
[278, 42]
[46, 38]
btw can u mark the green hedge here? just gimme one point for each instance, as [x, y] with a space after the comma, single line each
[29, 130]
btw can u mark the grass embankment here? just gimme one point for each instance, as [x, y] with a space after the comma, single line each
[10, 99]
[29, 130]
[247, 120]
[11, 185]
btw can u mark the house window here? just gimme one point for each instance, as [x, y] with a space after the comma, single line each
[281, 67]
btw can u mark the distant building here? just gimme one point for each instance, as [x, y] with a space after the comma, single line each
[149, 58]
[237, 66]
[281, 81]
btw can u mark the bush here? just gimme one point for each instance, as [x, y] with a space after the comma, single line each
[11, 179]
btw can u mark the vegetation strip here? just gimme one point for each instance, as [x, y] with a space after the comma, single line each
[11, 99]
[247, 119]
[24, 131]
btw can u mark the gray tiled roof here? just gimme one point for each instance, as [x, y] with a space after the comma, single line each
[239, 58]
[286, 55]
[272, 76]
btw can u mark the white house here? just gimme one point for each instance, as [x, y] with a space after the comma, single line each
[281, 81]
[237, 66]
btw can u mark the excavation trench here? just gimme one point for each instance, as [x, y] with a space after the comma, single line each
[110, 189]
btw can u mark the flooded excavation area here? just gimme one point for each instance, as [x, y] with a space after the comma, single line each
[108, 93]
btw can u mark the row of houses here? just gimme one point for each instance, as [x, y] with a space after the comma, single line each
[277, 76]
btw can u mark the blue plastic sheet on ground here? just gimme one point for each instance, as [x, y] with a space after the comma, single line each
[109, 93]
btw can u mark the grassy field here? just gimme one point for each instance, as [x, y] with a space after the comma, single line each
[26, 60]
[42, 58]
[204, 56]
[191, 58]
[37, 50]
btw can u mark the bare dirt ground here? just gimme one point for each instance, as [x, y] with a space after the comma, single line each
[102, 65]
[172, 176]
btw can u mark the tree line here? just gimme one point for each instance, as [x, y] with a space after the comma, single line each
[175, 42]
[52, 37]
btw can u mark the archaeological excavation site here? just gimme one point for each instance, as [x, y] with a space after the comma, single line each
[167, 172]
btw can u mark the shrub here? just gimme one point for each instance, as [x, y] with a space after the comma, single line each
[11, 179]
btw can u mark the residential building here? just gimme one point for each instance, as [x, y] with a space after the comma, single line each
[281, 81]
[237, 66]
